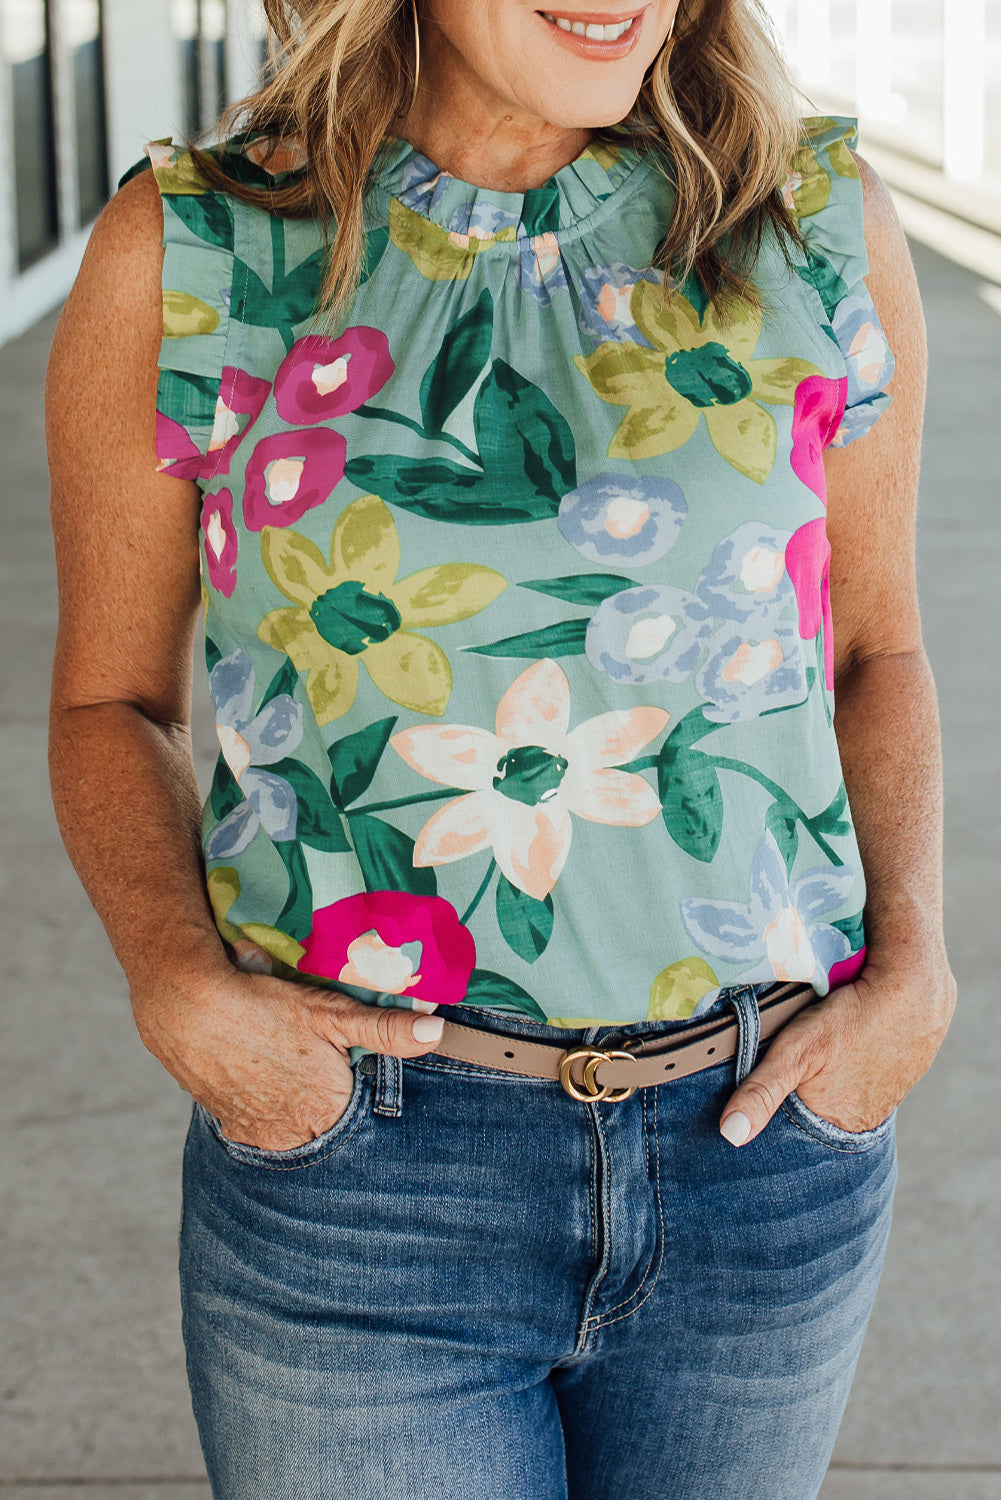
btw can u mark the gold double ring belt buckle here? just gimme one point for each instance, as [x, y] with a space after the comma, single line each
[592, 1089]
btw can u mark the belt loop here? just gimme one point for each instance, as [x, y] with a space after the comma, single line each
[388, 1085]
[745, 1003]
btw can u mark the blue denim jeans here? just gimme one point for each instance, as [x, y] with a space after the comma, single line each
[475, 1287]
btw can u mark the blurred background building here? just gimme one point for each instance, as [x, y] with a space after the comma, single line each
[84, 83]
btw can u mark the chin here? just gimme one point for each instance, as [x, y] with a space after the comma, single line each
[596, 116]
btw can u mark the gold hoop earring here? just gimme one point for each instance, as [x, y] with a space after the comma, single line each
[669, 42]
[417, 55]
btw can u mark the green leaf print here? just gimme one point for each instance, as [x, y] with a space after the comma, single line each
[375, 248]
[318, 822]
[526, 924]
[452, 373]
[284, 682]
[520, 434]
[488, 988]
[225, 794]
[440, 490]
[386, 856]
[853, 929]
[821, 275]
[292, 301]
[691, 798]
[540, 213]
[832, 820]
[187, 399]
[296, 916]
[355, 759]
[783, 824]
[567, 638]
[212, 653]
[210, 217]
[587, 589]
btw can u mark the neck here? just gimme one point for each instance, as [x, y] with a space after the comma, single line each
[468, 131]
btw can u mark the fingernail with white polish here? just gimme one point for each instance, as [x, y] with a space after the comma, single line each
[735, 1128]
[428, 1028]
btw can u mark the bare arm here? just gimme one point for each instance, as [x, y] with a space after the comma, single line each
[855, 1055]
[268, 1058]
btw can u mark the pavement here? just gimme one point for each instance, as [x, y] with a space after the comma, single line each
[93, 1398]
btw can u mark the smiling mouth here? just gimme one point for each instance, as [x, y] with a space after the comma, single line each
[594, 28]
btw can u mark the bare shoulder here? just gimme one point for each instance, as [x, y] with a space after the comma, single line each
[891, 280]
[118, 284]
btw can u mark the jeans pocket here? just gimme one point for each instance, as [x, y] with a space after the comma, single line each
[829, 1134]
[309, 1152]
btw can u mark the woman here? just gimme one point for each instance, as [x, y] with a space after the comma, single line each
[524, 506]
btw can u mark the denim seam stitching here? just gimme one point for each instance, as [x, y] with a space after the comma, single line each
[302, 1164]
[594, 1282]
[869, 1139]
[604, 1320]
[646, 1133]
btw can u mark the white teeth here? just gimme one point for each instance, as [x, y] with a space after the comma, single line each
[593, 31]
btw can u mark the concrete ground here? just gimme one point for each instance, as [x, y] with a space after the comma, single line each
[93, 1399]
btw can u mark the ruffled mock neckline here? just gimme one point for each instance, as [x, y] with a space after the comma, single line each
[468, 211]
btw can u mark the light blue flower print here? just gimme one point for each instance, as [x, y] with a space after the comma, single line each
[648, 634]
[863, 343]
[482, 220]
[604, 302]
[779, 932]
[248, 743]
[746, 575]
[422, 185]
[751, 669]
[634, 520]
[540, 268]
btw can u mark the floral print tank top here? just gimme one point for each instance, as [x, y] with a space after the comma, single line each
[516, 590]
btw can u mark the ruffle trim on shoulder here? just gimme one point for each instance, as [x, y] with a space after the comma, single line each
[824, 191]
[194, 425]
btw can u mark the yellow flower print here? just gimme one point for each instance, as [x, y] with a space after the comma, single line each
[438, 254]
[257, 948]
[175, 170]
[807, 188]
[694, 369]
[354, 608]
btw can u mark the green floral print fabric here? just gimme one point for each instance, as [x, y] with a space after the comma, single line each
[516, 586]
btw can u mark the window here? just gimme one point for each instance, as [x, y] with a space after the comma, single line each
[213, 27]
[24, 40]
[82, 35]
[200, 28]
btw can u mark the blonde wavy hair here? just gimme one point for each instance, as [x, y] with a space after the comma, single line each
[718, 106]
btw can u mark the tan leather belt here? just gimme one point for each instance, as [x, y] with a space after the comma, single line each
[591, 1073]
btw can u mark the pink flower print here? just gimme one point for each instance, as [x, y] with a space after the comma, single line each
[808, 563]
[817, 413]
[240, 395]
[847, 969]
[220, 542]
[290, 473]
[176, 453]
[322, 378]
[392, 943]
[523, 782]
